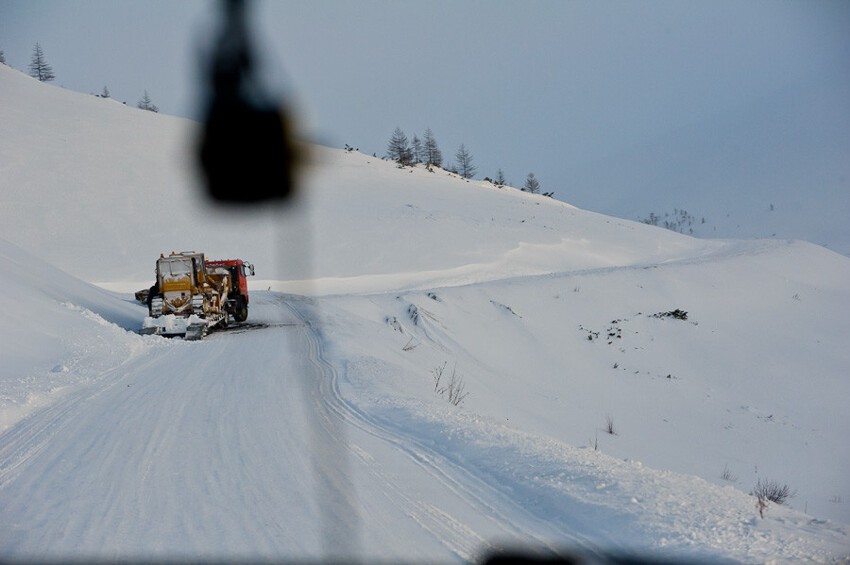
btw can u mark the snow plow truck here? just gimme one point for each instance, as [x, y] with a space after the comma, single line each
[192, 295]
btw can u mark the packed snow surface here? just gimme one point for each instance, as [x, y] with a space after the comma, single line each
[433, 368]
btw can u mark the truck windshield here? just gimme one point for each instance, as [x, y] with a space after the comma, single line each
[176, 268]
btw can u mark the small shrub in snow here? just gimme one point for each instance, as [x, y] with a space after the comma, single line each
[614, 331]
[726, 475]
[437, 373]
[772, 491]
[413, 312]
[591, 335]
[393, 322]
[609, 425]
[677, 314]
[455, 390]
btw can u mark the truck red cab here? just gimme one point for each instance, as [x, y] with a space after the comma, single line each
[237, 299]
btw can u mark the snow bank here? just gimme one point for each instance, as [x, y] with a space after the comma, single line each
[747, 386]
[60, 332]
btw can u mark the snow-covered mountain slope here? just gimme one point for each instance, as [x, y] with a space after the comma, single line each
[117, 187]
[556, 323]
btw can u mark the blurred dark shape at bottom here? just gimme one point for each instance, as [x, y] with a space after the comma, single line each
[530, 556]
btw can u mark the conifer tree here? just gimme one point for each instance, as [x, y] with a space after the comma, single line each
[431, 153]
[463, 163]
[416, 149]
[531, 185]
[145, 103]
[38, 66]
[398, 148]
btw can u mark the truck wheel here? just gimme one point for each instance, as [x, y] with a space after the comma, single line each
[240, 310]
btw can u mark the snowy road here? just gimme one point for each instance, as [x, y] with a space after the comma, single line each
[196, 449]
[269, 443]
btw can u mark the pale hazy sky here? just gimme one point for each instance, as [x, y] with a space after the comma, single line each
[553, 87]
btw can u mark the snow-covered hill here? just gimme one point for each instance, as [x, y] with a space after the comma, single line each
[556, 324]
[83, 169]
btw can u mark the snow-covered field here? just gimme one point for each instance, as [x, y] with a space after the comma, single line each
[438, 369]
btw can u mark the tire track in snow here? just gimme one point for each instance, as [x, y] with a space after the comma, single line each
[32, 435]
[491, 509]
[169, 455]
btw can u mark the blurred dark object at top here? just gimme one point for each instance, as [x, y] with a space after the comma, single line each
[246, 151]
